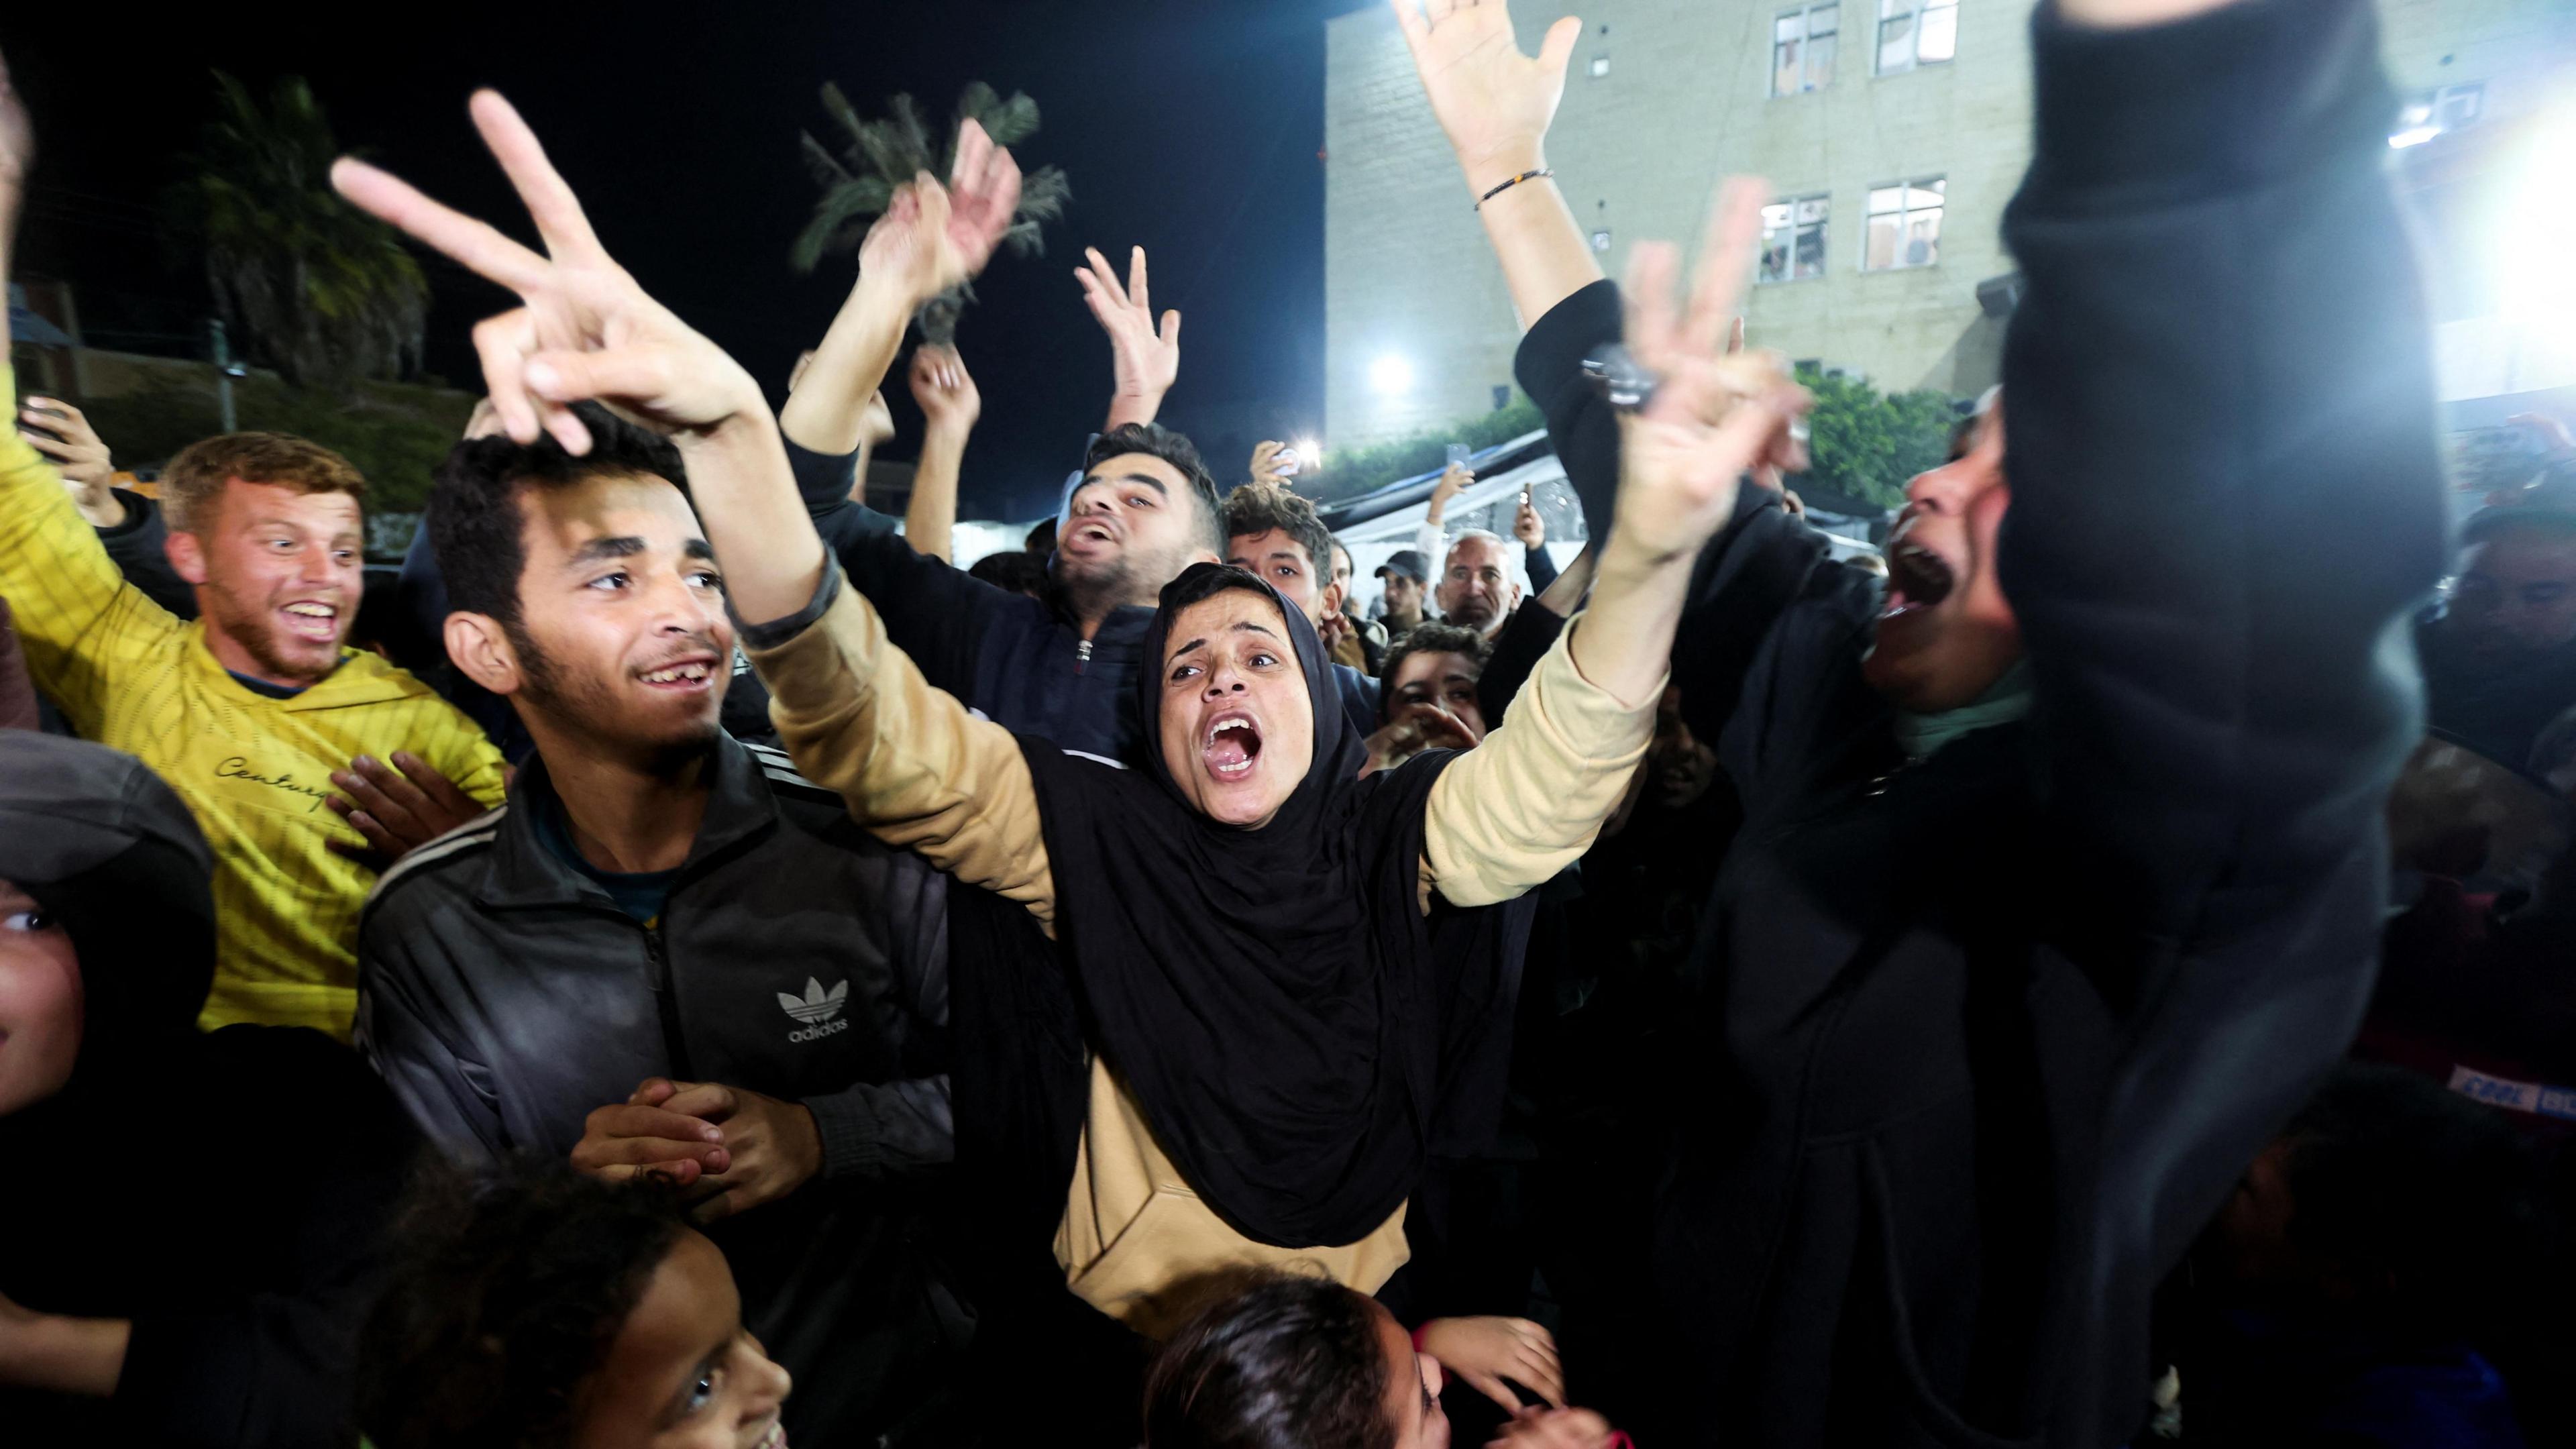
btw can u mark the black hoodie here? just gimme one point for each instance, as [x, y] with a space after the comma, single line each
[223, 1191]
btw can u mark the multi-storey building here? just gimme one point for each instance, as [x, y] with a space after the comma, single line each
[1892, 134]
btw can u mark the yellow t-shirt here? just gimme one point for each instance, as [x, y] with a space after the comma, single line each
[254, 769]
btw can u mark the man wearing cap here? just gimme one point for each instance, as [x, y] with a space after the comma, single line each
[1407, 576]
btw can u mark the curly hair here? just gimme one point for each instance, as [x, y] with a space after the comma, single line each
[1260, 507]
[508, 1292]
[1277, 1361]
[475, 525]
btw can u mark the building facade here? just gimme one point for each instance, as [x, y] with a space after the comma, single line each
[1892, 133]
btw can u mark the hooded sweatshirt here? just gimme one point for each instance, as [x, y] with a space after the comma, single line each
[223, 1191]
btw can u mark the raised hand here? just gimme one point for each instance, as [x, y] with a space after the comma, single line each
[1147, 361]
[933, 237]
[1274, 462]
[1494, 103]
[1714, 414]
[1486, 1351]
[941, 386]
[1527, 526]
[78, 453]
[585, 329]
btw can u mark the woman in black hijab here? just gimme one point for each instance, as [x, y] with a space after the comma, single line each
[1291, 983]
[189, 1238]
[1270, 1012]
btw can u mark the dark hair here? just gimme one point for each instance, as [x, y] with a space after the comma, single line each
[474, 520]
[1156, 441]
[194, 479]
[1427, 638]
[507, 1293]
[1014, 569]
[1203, 581]
[2424, 1200]
[1260, 507]
[1276, 1362]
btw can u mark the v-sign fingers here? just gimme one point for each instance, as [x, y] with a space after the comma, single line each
[472, 244]
[550, 202]
[1725, 261]
[1107, 277]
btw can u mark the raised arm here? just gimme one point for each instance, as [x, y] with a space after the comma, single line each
[1494, 104]
[1526, 803]
[78, 620]
[950, 403]
[913, 765]
[1146, 361]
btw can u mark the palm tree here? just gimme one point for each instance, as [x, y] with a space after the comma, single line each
[323, 292]
[881, 155]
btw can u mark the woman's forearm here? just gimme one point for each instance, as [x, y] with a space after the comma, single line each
[747, 500]
[930, 519]
[1625, 642]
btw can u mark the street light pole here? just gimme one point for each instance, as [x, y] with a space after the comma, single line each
[223, 372]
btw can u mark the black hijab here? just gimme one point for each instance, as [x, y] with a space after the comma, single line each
[1296, 1032]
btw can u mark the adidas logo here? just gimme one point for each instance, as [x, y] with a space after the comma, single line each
[819, 1010]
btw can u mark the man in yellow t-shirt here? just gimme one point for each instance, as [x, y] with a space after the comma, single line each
[246, 711]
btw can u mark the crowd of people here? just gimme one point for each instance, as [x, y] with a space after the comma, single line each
[713, 970]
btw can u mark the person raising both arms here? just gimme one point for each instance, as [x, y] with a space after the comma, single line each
[2062, 865]
[1239, 914]
[1142, 508]
[250, 710]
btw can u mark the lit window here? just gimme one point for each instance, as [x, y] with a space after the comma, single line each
[1601, 64]
[1904, 225]
[2431, 113]
[1802, 49]
[1793, 240]
[1916, 32]
[1601, 240]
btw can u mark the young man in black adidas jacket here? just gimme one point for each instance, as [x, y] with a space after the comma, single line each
[2061, 868]
[667, 952]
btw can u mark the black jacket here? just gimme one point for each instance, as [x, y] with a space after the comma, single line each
[246, 1256]
[504, 996]
[1987, 1039]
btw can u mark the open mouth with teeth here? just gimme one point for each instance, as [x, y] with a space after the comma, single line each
[313, 621]
[1233, 742]
[1093, 532]
[776, 1438]
[1917, 578]
[686, 675]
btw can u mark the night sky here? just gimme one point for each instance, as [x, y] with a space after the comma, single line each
[1190, 128]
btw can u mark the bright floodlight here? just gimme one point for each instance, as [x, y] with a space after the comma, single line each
[2538, 285]
[2413, 136]
[1310, 452]
[1391, 376]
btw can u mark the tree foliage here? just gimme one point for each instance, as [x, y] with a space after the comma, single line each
[397, 434]
[1868, 444]
[878, 156]
[315, 288]
[1349, 472]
